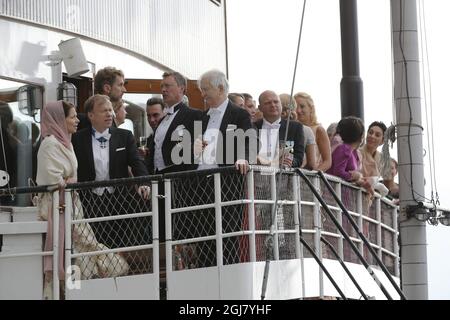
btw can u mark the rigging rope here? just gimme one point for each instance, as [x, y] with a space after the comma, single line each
[269, 242]
[428, 96]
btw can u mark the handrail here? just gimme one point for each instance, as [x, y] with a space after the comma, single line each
[322, 266]
[361, 235]
[345, 267]
[83, 185]
[342, 231]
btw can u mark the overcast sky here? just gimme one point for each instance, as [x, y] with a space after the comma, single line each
[263, 38]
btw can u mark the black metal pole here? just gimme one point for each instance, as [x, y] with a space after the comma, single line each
[352, 102]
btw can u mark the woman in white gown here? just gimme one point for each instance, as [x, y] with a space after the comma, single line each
[57, 165]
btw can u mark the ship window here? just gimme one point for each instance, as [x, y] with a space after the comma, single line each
[20, 132]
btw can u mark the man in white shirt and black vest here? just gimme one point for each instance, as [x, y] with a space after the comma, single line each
[272, 131]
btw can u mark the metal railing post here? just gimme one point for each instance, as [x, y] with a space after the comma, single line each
[379, 239]
[251, 215]
[68, 236]
[55, 245]
[273, 192]
[339, 219]
[396, 246]
[318, 233]
[155, 229]
[298, 228]
[218, 212]
[297, 209]
[360, 218]
[168, 226]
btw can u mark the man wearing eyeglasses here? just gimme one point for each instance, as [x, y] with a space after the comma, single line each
[178, 121]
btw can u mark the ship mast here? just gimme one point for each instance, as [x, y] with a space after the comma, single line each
[352, 101]
[407, 95]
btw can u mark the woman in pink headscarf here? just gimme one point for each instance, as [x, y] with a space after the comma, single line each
[57, 165]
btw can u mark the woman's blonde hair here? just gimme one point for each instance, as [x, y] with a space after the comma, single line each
[310, 103]
[285, 99]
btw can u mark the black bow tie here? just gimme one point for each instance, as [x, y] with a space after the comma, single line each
[102, 141]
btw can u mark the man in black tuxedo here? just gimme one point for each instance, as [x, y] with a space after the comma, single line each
[104, 153]
[177, 124]
[228, 139]
[166, 151]
[155, 113]
[228, 135]
[272, 129]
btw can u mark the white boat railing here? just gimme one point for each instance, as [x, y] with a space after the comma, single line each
[216, 239]
[376, 217]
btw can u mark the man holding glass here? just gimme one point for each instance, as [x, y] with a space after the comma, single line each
[179, 120]
[223, 123]
[155, 113]
[273, 149]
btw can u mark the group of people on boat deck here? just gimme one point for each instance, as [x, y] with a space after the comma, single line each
[232, 131]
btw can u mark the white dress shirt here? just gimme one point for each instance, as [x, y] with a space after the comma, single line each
[160, 135]
[268, 135]
[101, 159]
[211, 136]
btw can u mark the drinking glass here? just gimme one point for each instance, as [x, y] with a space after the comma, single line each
[286, 149]
[142, 142]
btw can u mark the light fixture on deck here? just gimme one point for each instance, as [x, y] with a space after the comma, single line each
[430, 213]
[419, 211]
[67, 92]
[444, 218]
[72, 55]
[29, 99]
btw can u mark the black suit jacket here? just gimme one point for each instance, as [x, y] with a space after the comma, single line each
[122, 153]
[240, 119]
[185, 116]
[295, 133]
